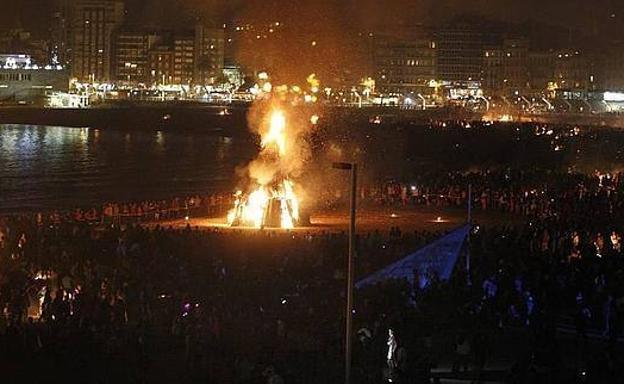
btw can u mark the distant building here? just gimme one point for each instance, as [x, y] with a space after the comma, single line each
[612, 69]
[573, 71]
[160, 61]
[541, 67]
[21, 41]
[24, 82]
[59, 39]
[92, 24]
[183, 58]
[209, 55]
[188, 57]
[131, 57]
[505, 67]
[405, 64]
[460, 51]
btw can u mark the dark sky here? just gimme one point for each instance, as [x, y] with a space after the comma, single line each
[581, 14]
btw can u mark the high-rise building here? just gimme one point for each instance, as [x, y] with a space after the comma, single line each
[460, 51]
[160, 63]
[60, 33]
[187, 57]
[209, 54]
[573, 71]
[609, 74]
[404, 64]
[183, 58]
[541, 67]
[505, 67]
[92, 25]
[130, 63]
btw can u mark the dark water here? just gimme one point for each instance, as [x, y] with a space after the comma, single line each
[44, 167]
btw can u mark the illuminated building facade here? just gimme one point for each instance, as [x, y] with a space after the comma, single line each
[209, 54]
[92, 25]
[188, 57]
[404, 65]
[460, 51]
[23, 82]
[505, 69]
[573, 71]
[161, 63]
[132, 56]
[183, 59]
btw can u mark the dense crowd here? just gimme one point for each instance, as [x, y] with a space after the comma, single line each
[530, 194]
[144, 211]
[224, 304]
[131, 303]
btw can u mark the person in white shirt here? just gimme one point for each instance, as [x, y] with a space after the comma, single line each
[392, 347]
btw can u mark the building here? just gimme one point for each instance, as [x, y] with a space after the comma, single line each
[209, 55]
[21, 41]
[92, 23]
[573, 71]
[492, 78]
[131, 57]
[24, 82]
[183, 58]
[505, 69]
[60, 33]
[460, 51]
[541, 68]
[160, 61]
[611, 71]
[189, 57]
[404, 65]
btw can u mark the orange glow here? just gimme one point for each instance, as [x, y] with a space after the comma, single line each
[255, 209]
[276, 134]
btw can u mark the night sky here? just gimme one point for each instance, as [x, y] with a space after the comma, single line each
[585, 15]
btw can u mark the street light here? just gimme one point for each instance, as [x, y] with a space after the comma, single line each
[349, 309]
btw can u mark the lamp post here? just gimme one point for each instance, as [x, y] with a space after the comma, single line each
[349, 309]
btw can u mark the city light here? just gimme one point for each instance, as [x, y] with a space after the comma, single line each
[173, 206]
[613, 96]
[498, 69]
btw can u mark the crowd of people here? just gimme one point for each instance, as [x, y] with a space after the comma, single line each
[227, 305]
[530, 194]
[144, 211]
[525, 193]
[125, 302]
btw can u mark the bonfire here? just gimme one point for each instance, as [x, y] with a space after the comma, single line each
[272, 201]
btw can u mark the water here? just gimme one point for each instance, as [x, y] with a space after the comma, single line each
[45, 167]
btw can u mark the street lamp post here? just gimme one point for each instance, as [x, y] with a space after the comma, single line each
[349, 309]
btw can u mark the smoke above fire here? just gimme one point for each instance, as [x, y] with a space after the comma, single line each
[326, 36]
[283, 149]
[271, 193]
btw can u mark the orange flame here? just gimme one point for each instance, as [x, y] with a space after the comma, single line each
[253, 210]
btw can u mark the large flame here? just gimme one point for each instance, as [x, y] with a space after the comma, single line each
[277, 132]
[271, 199]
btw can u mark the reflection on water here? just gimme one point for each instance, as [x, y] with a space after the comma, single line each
[50, 167]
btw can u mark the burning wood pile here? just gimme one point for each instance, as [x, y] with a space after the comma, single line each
[272, 201]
